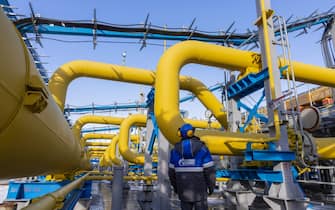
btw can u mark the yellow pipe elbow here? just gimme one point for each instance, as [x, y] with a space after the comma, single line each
[113, 152]
[167, 89]
[60, 80]
[135, 119]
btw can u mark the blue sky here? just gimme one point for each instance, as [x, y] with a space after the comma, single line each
[212, 15]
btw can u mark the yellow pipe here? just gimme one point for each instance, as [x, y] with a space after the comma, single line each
[326, 147]
[272, 84]
[55, 199]
[137, 120]
[76, 128]
[60, 80]
[35, 138]
[95, 136]
[167, 88]
[140, 120]
[97, 149]
[112, 151]
[102, 144]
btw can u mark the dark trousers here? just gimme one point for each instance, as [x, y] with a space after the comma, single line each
[198, 205]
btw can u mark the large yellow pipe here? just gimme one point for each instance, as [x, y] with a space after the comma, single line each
[326, 147]
[35, 138]
[65, 74]
[167, 87]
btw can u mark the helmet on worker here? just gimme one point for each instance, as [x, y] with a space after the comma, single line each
[186, 131]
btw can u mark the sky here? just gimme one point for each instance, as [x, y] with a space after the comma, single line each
[211, 15]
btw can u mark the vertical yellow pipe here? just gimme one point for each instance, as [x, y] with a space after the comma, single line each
[267, 45]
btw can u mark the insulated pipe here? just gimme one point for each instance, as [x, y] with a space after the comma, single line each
[95, 136]
[325, 147]
[167, 87]
[127, 123]
[50, 200]
[113, 156]
[76, 128]
[60, 80]
[140, 120]
[97, 149]
[102, 144]
[35, 138]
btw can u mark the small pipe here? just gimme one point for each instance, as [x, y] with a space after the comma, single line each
[94, 136]
[50, 200]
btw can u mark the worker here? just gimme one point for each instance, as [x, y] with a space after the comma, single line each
[191, 170]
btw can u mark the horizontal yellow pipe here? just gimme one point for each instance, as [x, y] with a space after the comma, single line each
[97, 149]
[95, 136]
[229, 143]
[35, 138]
[326, 147]
[76, 128]
[167, 88]
[62, 77]
[102, 144]
[51, 200]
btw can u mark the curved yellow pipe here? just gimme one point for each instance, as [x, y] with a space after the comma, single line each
[137, 120]
[140, 120]
[47, 145]
[112, 152]
[112, 149]
[60, 80]
[95, 136]
[167, 88]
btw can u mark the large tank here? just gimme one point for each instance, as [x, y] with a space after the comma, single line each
[35, 138]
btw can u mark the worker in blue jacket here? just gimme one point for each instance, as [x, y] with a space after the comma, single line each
[191, 170]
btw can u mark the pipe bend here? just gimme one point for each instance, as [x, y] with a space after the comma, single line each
[168, 69]
[66, 73]
[135, 119]
[113, 156]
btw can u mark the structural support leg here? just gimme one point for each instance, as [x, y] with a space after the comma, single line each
[145, 196]
[286, 195]
[117, 189]
[164, 186]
